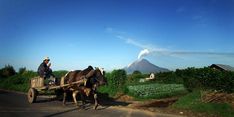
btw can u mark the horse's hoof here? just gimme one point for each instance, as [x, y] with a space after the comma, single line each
[95, 107]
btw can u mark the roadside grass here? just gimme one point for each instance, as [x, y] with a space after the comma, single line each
[20, 82]
[107, 90]
[192, 101]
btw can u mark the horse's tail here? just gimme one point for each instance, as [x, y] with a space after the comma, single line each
[62, 81]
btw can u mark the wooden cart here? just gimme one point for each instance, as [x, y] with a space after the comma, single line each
[37, 85]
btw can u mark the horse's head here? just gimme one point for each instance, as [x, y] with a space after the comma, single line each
[100, 76]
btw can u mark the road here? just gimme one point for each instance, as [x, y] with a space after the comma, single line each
[16, 105]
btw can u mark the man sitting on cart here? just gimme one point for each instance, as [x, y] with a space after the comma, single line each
[45, 72]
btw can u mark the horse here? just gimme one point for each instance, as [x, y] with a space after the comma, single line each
[92, 79]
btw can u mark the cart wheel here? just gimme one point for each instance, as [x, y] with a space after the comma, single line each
[32, 95]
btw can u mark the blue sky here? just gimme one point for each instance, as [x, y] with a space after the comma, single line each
[111, 33]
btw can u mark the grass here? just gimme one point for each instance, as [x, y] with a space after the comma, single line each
[192, 101]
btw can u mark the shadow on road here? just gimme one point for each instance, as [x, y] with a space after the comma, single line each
[44, 100]
[106, 100]
[59, 113]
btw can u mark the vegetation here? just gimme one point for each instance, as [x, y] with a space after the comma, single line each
[135, 77]
[60, 73]
[19, 81]
[164, 85]
[116, 82]
[7, 71]
[22, 70]
[199, 78]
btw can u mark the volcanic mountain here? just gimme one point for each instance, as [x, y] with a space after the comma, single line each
[144, 66]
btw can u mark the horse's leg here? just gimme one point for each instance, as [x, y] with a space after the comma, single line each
[64, 98]
[82, 100]
[96, 100]
[74, 94]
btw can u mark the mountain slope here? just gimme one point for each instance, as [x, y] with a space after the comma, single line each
[144, 66]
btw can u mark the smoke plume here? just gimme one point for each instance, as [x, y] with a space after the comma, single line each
[143, 53]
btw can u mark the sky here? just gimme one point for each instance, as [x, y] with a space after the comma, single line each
[174, 34]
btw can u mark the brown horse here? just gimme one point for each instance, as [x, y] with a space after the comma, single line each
[93, 78]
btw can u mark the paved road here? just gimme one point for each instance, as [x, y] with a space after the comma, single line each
[16, 105]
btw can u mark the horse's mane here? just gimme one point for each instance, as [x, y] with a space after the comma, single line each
[87, 70]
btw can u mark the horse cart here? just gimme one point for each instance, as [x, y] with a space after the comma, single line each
[37, 87]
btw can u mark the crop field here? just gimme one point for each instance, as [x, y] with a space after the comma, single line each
[156, 90]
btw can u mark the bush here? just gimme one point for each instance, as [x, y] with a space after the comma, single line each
[168, 78]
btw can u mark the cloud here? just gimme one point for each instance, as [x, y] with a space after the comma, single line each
[135, 43]
[152, 50]
[200, 53]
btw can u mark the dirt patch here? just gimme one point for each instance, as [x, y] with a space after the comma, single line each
[155, 103]
[147, 103]
[124, 98]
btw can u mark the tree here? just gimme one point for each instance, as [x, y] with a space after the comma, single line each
[22, 70]
[117, 78]
[7, 71]
[136, 72]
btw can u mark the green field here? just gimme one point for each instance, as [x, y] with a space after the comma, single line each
[156, 90]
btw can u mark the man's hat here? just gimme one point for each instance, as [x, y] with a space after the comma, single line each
[46, 58]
